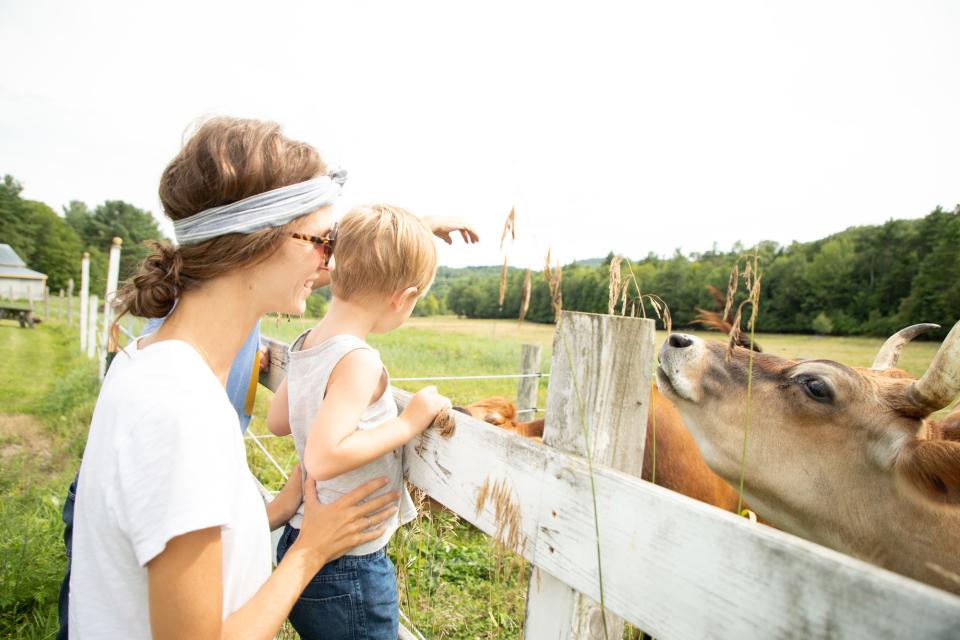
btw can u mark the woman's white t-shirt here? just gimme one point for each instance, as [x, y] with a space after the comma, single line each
[164, 457]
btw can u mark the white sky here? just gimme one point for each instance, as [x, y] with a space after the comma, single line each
[631, 127]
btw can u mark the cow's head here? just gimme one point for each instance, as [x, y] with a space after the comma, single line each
[820, 433]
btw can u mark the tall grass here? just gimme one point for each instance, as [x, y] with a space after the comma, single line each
[47, 392]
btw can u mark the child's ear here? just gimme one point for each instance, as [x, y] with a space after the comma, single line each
[932, 468]
[403, 297]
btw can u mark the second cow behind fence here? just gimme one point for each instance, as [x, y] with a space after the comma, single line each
[670, 458]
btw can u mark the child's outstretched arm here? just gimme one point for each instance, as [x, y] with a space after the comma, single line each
[278, 415]
[335, 445]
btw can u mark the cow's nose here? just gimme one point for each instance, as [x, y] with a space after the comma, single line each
[679, 341]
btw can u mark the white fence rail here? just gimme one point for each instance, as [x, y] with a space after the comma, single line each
[672, 566]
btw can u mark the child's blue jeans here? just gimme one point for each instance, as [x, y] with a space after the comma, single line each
[351, 598]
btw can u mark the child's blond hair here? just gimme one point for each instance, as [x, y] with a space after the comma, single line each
[382, 249]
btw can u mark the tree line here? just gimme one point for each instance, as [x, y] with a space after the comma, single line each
[869, 280]
[865, 280]
[53, 244]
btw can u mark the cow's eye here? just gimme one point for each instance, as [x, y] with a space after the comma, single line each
[816, 388]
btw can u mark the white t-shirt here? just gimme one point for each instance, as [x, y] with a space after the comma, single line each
[164, 457]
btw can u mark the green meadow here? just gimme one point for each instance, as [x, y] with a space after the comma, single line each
[454, 581]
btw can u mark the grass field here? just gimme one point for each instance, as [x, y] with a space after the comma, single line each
[454, 583]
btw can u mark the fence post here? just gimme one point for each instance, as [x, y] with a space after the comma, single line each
[46, 304]
[84, 300]
[599, 383]
[91, 329]
[528, 388]
[60, 311]
[113, 275]
[70, 303]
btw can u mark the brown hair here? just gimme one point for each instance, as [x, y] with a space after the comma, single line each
[225, 160]
[382, 249]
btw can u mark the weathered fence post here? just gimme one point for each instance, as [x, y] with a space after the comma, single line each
[599, 384]
[528, 389]
[46, 304]
[84, 300]
[113, 275]
[70, 303]
[91, 329]
[60, 310]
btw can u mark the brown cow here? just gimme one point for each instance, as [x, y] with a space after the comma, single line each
[841, 456]
[679, 465]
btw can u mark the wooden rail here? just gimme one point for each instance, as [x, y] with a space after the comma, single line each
[672, 566]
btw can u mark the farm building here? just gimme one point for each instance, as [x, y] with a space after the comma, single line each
[16, 280]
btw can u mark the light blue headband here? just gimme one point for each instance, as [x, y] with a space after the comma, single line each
[273, 208]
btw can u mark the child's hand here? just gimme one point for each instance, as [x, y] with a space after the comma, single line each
[423, 408]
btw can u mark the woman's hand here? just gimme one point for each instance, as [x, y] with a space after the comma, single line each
[443, 227]
[423, 408]
[330, 530]
[286, 503]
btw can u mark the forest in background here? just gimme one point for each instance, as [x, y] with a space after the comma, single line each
[869, 280]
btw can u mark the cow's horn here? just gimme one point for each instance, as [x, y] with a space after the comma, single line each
[889, 354]
[941, 382]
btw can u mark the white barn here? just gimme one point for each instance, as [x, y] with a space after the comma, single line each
[17, 282]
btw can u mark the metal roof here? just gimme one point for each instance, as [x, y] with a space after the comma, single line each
[11, 266]
[9, 257]
[20, 273]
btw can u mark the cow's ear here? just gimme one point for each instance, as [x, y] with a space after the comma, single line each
[932, 467]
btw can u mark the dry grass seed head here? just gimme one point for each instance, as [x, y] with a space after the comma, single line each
[509, 227]
[732, 285]
[614, 284]
[752, 283]
[525, 295]
[554, 278]
[445, 423]
[507, 517]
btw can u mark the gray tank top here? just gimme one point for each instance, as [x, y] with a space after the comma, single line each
[307, 375]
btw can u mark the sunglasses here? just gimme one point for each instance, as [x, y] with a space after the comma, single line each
[324, 243]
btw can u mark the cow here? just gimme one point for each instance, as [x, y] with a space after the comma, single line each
[845, 457]
[679, 466]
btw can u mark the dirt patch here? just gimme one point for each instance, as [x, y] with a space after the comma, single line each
[24, 435]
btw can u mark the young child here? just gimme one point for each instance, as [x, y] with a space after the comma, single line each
[343, 418]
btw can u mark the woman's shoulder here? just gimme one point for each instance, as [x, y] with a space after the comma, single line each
[168, 376]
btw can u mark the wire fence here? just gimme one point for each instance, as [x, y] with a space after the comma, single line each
[257, 439]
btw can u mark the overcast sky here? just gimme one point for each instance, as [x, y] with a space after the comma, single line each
[631, 127]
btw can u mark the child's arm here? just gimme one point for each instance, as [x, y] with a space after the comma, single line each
[278, 416]
[335, 445]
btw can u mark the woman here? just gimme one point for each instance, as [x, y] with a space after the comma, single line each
[171, 538]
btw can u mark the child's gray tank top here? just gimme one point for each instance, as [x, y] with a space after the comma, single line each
[307, 375]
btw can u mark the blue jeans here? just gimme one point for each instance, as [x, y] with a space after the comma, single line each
[351, 598]
[67, 515]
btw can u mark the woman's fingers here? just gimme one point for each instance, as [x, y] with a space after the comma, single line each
[361, 492]
[382, 516]
[376, 504]
[372, 534]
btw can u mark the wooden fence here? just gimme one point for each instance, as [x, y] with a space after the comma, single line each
[672, 566]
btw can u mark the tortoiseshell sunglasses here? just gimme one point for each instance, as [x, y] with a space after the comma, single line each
[324, 243]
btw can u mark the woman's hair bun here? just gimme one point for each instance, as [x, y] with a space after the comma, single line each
[156, 287]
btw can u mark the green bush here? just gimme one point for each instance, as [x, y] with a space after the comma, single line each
[822, 324]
